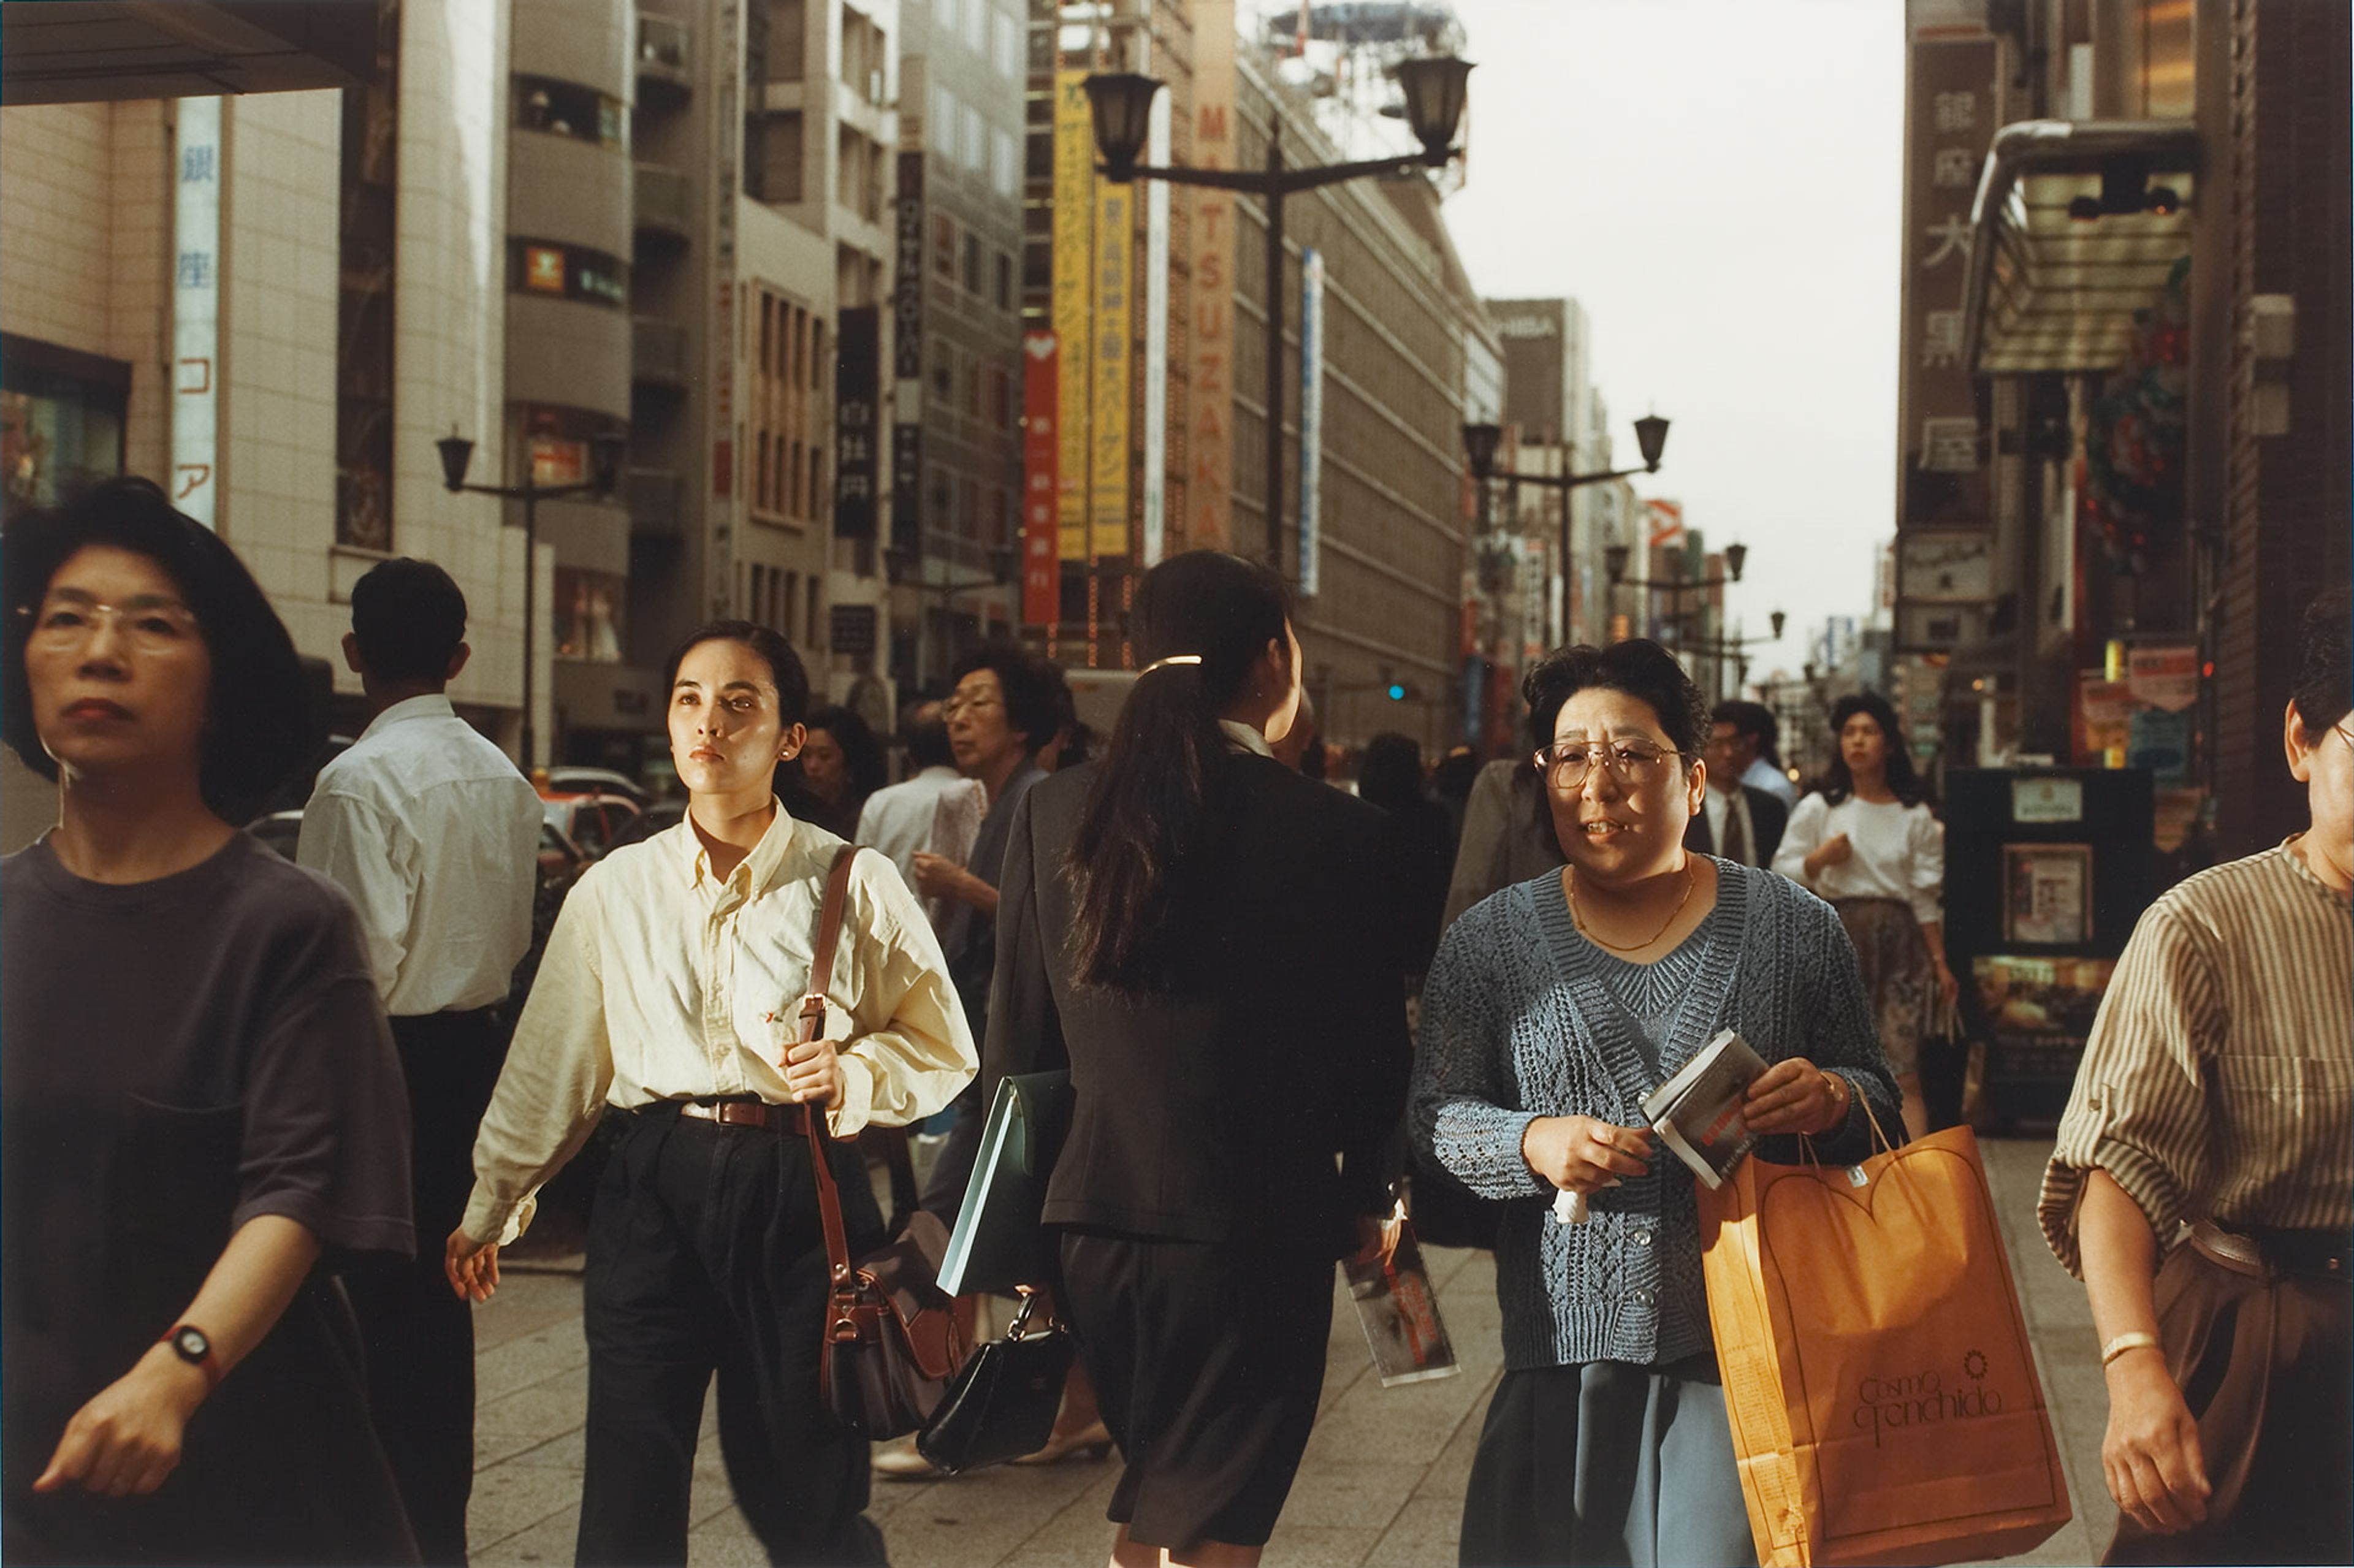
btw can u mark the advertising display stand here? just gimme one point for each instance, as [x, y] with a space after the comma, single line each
[2046, 871]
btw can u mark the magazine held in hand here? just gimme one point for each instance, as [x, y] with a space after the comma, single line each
[1697, 1113]
[1399, 1312]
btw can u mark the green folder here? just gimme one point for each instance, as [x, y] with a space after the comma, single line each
[999, 1241]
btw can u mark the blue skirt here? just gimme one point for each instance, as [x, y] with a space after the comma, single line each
[1603, 1463]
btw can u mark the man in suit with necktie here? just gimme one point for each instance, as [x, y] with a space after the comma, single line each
[1737, 821]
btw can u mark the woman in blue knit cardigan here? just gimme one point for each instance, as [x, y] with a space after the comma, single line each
[1552, 1007]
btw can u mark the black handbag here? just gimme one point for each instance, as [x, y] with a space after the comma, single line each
[1003, 1403]
[891, 1343]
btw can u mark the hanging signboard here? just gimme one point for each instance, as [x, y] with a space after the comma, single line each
[195, 311]
[1042, 569]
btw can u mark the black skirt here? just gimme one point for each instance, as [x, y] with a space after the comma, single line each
[1208, 1361]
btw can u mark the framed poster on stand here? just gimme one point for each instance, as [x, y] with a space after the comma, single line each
[2047, 894]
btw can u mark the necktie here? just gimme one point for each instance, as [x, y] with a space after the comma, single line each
[1736, 842]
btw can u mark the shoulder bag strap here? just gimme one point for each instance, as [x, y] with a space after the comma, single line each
[821, 1141]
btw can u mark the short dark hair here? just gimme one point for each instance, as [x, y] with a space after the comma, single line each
[925, 734]
[1839, 783]
[1389, 773]
[784, 665]
[861, 753]
[2324, 676]
[1639, 667]
[1034, 690]
[260, 721]
[409, 617]
[1753, 720]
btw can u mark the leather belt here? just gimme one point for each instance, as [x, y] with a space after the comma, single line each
[2276, 1253]
[737, 1113]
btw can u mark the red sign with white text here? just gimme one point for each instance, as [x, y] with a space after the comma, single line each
[1042, 568]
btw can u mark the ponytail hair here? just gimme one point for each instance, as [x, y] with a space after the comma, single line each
[1142, 837]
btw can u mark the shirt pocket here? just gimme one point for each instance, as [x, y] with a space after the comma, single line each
[173, 1182]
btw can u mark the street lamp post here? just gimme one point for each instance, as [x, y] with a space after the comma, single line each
[1613, 561]
[1121, 103]
[1480, 444]
[604, 453]
[1718, 649]
[902, 564]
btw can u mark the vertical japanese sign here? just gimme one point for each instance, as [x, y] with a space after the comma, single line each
[1311, 416]
[727, 140]
[908, 359]
[1074, 272]
[1110, 380]
[857, 390]
[1154, 517]
[1041, 436]
[1951, 106]
[195, 311]
[1210, 334]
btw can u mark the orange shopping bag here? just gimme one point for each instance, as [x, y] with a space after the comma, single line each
[1877, 1374]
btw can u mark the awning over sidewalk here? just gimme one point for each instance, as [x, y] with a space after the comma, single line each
[2051, 292]
[80, 51]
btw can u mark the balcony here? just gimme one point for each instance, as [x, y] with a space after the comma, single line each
[657, 352]
[655, 498]
[664, 62]
[665, 202]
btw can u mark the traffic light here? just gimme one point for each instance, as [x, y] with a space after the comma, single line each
[1398, 691]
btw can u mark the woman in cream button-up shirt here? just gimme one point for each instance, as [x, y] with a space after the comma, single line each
[671, 982]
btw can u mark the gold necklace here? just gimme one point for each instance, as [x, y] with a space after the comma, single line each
[1593, 936]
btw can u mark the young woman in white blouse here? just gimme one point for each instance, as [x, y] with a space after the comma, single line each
[1867, 844]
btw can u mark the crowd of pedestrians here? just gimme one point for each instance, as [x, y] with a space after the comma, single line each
[266, 1136]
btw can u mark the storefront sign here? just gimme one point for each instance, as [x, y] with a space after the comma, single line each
[2047, 799]
[1153, 517]
[1952, 110]
[907, 282]
[1210, 336]
[1111, 378]
[2165, 678]
[856, 392]
[1041, 571]
[195, 311]
[1073, 298]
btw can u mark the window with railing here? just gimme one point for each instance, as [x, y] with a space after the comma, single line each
[567, 108]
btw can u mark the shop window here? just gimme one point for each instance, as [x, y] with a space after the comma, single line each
[556, 443]
[590, 607]
[944, 245]
[974, 281]
[566, 109]
[60, 430]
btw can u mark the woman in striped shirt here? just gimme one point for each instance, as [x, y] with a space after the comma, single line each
[2217, 1091]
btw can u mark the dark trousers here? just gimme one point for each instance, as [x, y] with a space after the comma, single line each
[706, 1255]
[418, 1336]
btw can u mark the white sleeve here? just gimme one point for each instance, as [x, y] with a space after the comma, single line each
[1927, 882]
[370, 856]
[1804, 835]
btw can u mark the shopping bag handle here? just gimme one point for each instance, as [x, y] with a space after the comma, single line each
[1880, 1143]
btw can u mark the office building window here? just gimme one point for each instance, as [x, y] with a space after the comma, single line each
[589, 607]
[568, 272]
[565, 109]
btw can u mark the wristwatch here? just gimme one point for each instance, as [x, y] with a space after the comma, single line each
[192, 1345]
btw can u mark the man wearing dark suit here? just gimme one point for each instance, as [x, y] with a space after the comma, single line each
[1735, 822]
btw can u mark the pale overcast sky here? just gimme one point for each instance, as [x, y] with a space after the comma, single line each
[1719, 183]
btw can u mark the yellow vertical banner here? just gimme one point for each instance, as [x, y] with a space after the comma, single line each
[1114, 357]
[1074, 295]
[1210, 331]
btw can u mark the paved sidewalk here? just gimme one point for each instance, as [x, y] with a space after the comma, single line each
[1381, 1484]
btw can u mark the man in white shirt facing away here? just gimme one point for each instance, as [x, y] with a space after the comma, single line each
[936, 810]
[435, 835]
[1752, 756]
[1737, 820]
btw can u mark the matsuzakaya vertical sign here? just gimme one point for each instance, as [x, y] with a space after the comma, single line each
[1951, 108]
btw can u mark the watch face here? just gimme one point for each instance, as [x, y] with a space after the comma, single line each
[190, 1343]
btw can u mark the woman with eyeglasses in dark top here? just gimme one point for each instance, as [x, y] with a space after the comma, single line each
[1554, 1007]
[203, 1111]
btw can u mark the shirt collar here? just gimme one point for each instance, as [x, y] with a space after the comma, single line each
[695, 862]
[1245, 738]
[2291, 852]
[432, 705]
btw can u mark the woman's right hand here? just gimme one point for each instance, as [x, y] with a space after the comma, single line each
[1584, 1154]
[2150, 1456]
[1833, 850]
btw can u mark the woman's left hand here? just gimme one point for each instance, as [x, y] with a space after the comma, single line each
[125, 1441]
[1795, 1096]
[1948, 986]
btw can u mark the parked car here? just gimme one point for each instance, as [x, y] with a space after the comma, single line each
[560, 859]
[575, 780]
[278, 830]
[589, 820]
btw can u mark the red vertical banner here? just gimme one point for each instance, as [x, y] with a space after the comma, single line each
[1042, 575]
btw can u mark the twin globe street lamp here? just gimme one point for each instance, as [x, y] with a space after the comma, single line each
[606, 450]
[1122, 104]
[1480, 444]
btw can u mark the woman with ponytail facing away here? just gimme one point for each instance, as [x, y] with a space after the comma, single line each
[1198, 932]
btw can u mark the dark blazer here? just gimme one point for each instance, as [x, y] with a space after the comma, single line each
[1768, 818]
[1216, 1113]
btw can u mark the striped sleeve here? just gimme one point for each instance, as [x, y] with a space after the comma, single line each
[2139, 1109]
